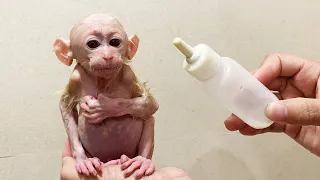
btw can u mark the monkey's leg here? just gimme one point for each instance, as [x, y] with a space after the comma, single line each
[146, 144]
[84, 165]
[142, 163]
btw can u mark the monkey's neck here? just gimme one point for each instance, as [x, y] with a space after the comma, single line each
[103, 83]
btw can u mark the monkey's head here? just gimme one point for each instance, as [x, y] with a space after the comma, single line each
[99, 43]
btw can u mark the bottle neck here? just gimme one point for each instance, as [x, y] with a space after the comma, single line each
[205, 67]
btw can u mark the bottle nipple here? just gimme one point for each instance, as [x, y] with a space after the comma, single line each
[185, 48]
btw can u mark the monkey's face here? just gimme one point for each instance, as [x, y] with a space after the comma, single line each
[100, 46]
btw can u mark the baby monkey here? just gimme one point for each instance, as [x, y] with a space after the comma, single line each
[107, 113]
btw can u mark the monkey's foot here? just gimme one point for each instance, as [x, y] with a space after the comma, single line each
[139, 164]
[89, 166]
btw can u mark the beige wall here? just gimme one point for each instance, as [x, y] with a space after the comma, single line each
[31, 130]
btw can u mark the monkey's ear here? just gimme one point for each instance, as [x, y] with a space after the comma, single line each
[133, 46]
[63, 52]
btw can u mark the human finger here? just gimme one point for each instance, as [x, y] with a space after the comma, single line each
[274, 128]
[233, 123]
[285, 89]
[276, 65]
[299, 111]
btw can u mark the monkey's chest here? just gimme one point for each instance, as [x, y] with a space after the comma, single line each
[116, 91]
[111, 138]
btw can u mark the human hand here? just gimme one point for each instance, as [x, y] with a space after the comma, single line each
[98, 109]
[297, 114]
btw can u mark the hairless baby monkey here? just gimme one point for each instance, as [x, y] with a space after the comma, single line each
[107, 113]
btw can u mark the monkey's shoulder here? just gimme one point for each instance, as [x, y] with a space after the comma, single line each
[128, 76]
[78, 76]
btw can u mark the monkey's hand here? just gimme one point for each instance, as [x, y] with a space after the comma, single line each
[141, 164]
[98, 109]
[88, 166]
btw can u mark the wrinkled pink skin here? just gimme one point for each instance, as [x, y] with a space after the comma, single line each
[112, 126]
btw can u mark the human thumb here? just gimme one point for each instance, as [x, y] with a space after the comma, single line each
[299, 111]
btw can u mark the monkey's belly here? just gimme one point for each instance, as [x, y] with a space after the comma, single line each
[111, 138]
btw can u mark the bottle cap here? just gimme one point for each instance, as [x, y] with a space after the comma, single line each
[201, 61]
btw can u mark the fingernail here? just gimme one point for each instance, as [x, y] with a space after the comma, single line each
[276, 111]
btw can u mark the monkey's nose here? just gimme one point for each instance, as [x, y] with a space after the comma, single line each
[108, 58]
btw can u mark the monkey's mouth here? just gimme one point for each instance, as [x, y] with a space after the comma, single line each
[106, 69]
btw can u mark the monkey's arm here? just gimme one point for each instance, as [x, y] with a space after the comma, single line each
[70, 122]
[143, 105]
[69, 114]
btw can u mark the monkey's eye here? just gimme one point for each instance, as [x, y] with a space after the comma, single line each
[115, 42]
[92, 44]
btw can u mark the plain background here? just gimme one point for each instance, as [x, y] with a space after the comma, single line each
[190, 133]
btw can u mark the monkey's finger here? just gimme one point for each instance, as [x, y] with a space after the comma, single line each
[85, 107]
[87, 115]
[124, 159]
[90, 167]
[94, 103]
[150, 170]
[145, 165]
[83, 168]
[78, 168]
[91, 117]
[91, 102]
[96, 162]
[133, 167]
[127, 164]
[88, 98]
[95, 119]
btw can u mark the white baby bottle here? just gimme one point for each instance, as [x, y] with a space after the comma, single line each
[229, 83]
